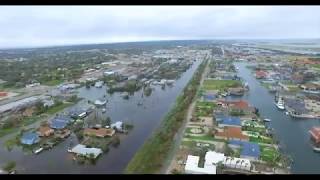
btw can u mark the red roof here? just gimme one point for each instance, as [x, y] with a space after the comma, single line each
[315, 134]
[232, 133]
[237, 104]
[261, 74]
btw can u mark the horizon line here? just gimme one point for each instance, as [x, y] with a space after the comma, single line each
[159, 40]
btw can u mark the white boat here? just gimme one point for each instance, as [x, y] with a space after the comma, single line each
[280, 104]
[267, 120]
[38, 150]
[100, 102]
[104, 110]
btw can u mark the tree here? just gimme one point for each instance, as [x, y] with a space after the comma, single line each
[106, 122]
[9, 166]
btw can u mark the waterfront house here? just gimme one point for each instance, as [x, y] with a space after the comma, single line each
[45, 131]
[118, 126]
[231, 133]
[315, 134]
[209, 96]
[261, 74]
[81, 149]
[60, 122]
[238, 91]
[295, 107]
[63, 133]
[248, 150]
[99, 132]
[29, 138]
[229, 121]
[212, 159]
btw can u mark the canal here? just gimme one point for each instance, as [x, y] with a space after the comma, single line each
[292, 133]
[145, 119]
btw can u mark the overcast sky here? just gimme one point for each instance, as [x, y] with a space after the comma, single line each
[29, 26]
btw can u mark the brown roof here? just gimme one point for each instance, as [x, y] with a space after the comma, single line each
[101, 132]
[315, 133]
[232, 132]
[44, 129]
[237, 104]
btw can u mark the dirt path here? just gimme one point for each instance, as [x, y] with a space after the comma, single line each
[179, 135]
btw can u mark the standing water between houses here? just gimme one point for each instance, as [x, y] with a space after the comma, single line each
[145, 118]
[292, 133]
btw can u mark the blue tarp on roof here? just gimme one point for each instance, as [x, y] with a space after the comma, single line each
[209, 97]
[248, 148]
[30, 138]
[230, 120]
[60, 122]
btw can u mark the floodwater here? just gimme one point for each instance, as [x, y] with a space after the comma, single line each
[145, 118]
[292, 133]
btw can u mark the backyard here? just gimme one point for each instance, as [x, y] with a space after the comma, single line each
[220, 85]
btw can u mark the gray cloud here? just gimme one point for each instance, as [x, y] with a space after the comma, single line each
[23, 26]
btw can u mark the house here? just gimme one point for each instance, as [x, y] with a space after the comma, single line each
[295, 106]
[241, 104]
[231, 133]
[238, 91]
[77, 113]
[63, 133]
[229, 121]
[48, 102]
[29, 138]
[60, 122]
[99, 132]
[237, 163]
[117, 126]
[315, 134]
[45, 131]
[212, 160]
[261, 74]
[209, 96]
[81, 149]
[210, 165]
[249, 150]
[28, 112]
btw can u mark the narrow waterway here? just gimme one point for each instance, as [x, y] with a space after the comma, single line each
[292, 133]
[145, 118]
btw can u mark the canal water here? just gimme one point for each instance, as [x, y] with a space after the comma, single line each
[145, 119]
[292, 133]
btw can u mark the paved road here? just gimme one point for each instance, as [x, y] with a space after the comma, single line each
[179, 136]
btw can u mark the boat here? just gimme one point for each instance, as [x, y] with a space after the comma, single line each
[103, 110]
[100, 102]
[224, 94]
[38, 150]
[280, 104]
[139, 103]
[316, 149]
[267, 120]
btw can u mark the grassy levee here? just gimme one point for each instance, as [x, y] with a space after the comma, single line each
[151, 156]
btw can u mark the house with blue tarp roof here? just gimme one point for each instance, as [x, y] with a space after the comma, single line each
[232, 121]
[249, 150]
[209, 97]
[30, 138]
[60, 122]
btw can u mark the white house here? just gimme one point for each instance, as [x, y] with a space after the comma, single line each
[83, 150]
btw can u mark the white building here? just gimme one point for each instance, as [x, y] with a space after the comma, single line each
[212, 159]
[83, 150]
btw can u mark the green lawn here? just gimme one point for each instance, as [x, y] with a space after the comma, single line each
[316, 66]
[220, 84]
[268, 154]
[25, 122]
[53, 82]
[266, 140]
[56, 109]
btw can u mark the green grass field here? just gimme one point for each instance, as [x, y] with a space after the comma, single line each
[58, 108]
[53, 82]
[268, 154]
[221, 85]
